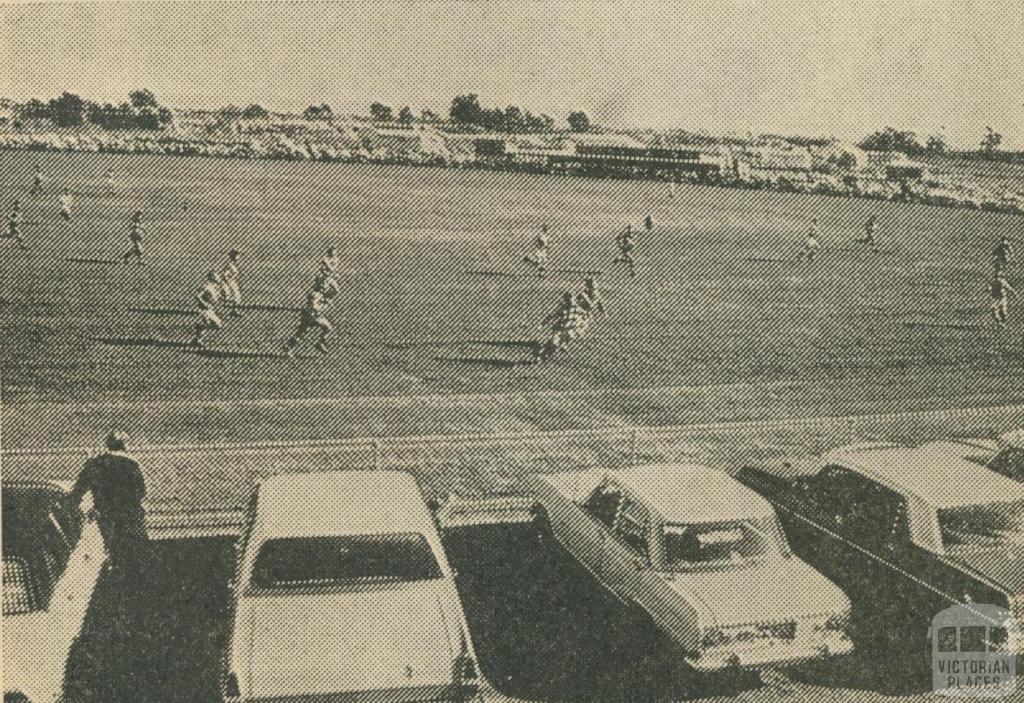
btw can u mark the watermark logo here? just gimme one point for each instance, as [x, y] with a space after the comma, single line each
[974, 651]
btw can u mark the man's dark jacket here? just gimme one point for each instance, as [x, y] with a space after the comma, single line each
[118, 488]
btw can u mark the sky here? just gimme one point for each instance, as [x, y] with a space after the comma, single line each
[807, 67]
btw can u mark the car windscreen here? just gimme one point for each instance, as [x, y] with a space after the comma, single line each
[305, 562]
[719, 545]
[986, 525]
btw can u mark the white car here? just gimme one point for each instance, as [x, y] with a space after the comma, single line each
[704, 556]
[53, 557]
[343, 592]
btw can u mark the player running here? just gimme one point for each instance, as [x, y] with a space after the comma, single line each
[626, 242]
[870, 227]
[135, 234]
[37, 181]
[1001, 290]
[539, 258]
[208, 298]
[1002, 254]
[568, 322]
[811, 245]
[229, 283]
[14, 220]
[648, 224]
[330, 264]
[66, 201]
[312, 317]
[110, 181]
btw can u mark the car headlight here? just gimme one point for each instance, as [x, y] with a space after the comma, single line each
[714, 637]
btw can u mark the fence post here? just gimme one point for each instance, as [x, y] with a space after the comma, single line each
[633, 437]
[376, 455]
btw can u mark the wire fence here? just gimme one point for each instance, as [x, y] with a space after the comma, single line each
[184, 479]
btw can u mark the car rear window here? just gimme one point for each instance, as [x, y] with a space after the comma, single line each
[326, 561]
[986, 525]
[18, 592]
[700, 546]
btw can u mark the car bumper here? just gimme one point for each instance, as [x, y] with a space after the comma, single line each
[772, 653]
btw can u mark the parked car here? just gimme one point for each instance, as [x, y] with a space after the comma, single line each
[906, 531]
[343, 591]
[52, 557]
[704, 556]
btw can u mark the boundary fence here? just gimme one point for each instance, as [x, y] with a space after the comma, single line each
[205, 484]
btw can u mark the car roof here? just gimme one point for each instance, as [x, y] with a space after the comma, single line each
[340, 503]
[937, 472]
[693, 493]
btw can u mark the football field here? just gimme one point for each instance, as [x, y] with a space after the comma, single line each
[437, 315]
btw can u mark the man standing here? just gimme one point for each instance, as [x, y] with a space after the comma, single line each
[870, 227]
[626, 243]
[208, 298]
[1002, 254]
[811, 246]
[14, 220]
[1000, 290]
[135, 234]
[65, 201]
[117, 488]
[539, 257]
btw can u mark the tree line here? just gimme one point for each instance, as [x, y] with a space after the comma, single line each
[907, 142]
[140, 111]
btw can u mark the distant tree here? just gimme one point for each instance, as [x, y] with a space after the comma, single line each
[318, 112]
[405, 115]
[428, 115]
[466, 109]
[68, 110]
[579, 122]
[890, 139]
[380, 112]
[991, 141]
[255, 112]
[936, 144]
[142, 99]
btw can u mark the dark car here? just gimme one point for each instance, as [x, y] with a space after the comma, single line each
[905, 531]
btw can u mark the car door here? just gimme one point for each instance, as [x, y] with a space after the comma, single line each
[82, 543]
[588, 528]
[626, 561]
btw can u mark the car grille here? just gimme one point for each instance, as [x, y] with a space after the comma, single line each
[779, 630]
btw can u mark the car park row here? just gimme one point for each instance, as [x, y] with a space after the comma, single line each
[342, 588]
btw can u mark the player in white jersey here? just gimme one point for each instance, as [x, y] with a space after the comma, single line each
[568, 323]
[229, 283]
[539, 256]
[135, 234]
[312, 317]
[14, 221]
[208, 298]
[111, 183]
[811, 245]
[66, 201]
